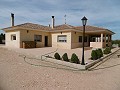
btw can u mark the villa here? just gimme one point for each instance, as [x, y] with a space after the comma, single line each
[61, 36]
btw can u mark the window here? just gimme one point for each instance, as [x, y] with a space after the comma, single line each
[93, 39]
[80, 38]
[38, 38]
[62, 38]
[13, 37]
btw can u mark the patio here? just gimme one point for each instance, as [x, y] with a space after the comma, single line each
[38, 52]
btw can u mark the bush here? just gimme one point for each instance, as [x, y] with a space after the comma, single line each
[107, 50]
[119, 45]
[74, 59]
[65, 57]
[94, 55]
[101, 53]
[57, 56]
[98, 53]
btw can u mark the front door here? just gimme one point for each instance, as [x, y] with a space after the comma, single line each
[46, 41]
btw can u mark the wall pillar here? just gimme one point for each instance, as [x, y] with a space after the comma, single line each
[105, 41]
[110, 40]
[101, 40]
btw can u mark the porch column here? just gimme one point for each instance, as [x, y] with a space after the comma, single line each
[101, 40]
[110, 39]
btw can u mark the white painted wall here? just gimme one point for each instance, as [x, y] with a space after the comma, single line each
[64, 45]
[12, 43]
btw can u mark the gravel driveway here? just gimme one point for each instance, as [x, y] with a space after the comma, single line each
[16, 74]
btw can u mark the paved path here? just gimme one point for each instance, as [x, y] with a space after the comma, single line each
[15, 74]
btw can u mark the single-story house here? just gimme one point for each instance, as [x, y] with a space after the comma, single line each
[61, 36]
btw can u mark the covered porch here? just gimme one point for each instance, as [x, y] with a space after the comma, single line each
[100, 40]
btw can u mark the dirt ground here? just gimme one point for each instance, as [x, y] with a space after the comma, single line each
[16, 74]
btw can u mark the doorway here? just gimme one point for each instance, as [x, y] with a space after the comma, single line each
[46, 41]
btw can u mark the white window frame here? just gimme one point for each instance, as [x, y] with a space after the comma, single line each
[62, 38]
[13, 37]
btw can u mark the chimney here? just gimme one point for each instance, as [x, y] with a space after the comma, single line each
[53, 22]
[48, 25]
[12, 19]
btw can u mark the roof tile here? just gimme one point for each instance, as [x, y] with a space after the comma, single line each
[59, 27]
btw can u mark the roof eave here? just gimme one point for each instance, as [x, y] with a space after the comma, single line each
[21, 28]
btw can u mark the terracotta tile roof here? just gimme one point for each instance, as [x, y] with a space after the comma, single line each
[80, 28]
[30, 26]
[63, 26]
[41, 27]
[59, 27]
[92, 28]
[89, 28]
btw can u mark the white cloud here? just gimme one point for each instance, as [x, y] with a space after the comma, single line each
[99, 12]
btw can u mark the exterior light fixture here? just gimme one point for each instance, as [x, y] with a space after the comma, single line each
[84, 21]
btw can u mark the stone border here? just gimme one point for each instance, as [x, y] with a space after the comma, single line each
[67, 64]
[101, 59]
[79, 66]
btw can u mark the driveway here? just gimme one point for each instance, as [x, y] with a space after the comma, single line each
[37, 52]
[16, 74]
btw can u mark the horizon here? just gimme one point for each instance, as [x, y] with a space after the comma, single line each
[99, 13]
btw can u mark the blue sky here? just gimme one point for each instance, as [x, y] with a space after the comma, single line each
[102, 13]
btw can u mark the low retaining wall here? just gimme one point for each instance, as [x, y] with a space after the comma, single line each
[101, 59]
[68, 64]
[79, 66]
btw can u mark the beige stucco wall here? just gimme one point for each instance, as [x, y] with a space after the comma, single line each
[75, 40]
[96, 44]
[12, 43]
[65, 45]
[30, 37]
[72, 39]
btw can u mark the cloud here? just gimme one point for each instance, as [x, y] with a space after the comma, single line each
[103, 13]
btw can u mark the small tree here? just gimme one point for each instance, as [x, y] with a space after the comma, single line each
[74, 59]
[57, 56]
[65, 57]
[94, 55]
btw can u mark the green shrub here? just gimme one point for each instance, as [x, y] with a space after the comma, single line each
[119, 45]
[74, 59]
[57, 56]
[98, 53]
[107, 50]
[101, 53]
[65, 57]
[94, 55]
